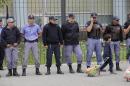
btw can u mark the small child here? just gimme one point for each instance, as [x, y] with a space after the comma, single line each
[107, 55]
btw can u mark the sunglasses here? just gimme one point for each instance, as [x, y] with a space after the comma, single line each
[94, 17]
[116, 20]
[10, 22]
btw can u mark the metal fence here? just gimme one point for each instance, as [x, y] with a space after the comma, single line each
[42, 9]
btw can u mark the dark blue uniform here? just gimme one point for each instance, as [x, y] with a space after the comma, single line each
[2, 53]
[52, 37]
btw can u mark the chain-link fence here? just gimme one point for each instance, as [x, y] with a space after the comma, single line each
[42, 9]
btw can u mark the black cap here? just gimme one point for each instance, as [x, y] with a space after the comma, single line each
[31, 17]
[94, 14]
[115, 18]
[52, 18]
[71, 15]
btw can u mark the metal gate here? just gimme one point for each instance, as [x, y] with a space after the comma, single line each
[42, 9]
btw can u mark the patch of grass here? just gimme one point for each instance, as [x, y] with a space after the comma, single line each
[42, 54]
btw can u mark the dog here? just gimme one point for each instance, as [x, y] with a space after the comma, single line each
[93, 71]
[127, 74]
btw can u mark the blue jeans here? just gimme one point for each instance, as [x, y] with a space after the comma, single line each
[53, 48]
[34, 48]
[128, 46]
[11, 57]
[94, 45]
[68, 49]
[115, 47]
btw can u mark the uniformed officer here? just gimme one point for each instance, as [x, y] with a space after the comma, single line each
[10, 36]
[52, 40]
[127, 33]
[2, 53]
[94, 29]
[70, 32]
[115, 30]
[31, 32]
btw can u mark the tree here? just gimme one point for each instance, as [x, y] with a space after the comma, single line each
[4, 3]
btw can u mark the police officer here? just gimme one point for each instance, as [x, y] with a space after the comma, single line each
[31, 32]
[2, 53]
[70, 32]
[115, 30]
[94, 29]
[52, 39]
[127, 33]
[10, 36]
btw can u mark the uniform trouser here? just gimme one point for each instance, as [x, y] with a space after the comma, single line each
[68, 49]
[115, 48]
[94, 45]
[11, 57]
[2, 54]
[107, 53]
[34, 48]
[128, 46]
[53, 48]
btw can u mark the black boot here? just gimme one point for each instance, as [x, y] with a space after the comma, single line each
[38, 72]
[71, 69]
[15, 73]
[118, 67]
[48, 71]
[24, 72]
[79, 68]
[88, 66]
[102, 69]
[1, 67]
[112, 72]
[9, 72]
[59, 70]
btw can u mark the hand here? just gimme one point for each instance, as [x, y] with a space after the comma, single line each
[15, 44]
[91, 19]
[129, 27]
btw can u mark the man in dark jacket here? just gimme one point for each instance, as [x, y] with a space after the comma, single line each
[52, 39]
[2, 53]
[70, 32]
[10, 36]
[115, 30]
[94, 30]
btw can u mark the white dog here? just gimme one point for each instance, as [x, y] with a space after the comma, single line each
[127, 74]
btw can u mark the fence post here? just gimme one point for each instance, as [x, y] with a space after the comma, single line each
[63, 19]
[63, 11]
